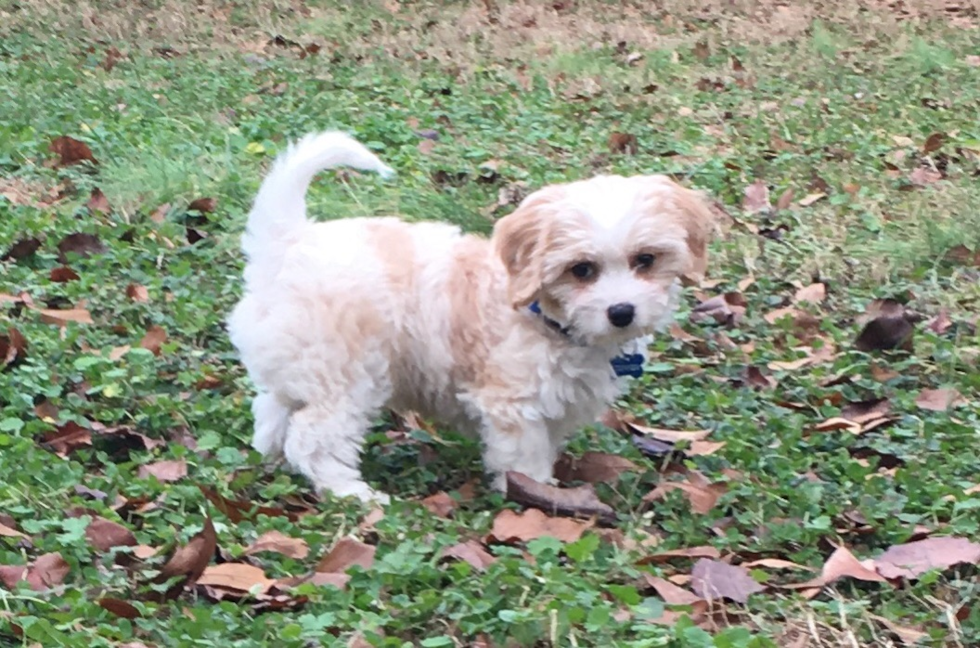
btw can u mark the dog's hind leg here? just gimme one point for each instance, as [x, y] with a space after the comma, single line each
[324, 443]
[271, 422]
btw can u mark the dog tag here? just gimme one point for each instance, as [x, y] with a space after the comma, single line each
[628, 364]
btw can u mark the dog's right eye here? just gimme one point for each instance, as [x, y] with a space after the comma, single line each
[584, 270]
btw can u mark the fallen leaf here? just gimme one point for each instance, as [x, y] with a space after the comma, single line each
[71, 151]
[239, 578]
[809, 199]
[237, 510]
[97, 202]
[868, 410]
[45, 572]
[670, 593]
[10, 532]
[154, 339]
[189, 561]
[933, 143]
[705, 551]
[119, 607]
[836, 423]
[278, 542]
[159, 214]
[64, 274]
[704, 448]
[923, 177]
[592, 467]
[105, 534]
[756, 198]
[939, 400]
[63, 317]
[973, 60]
[670, 436]
[579, 502]
[913, 559]
[66, 438]
[814, 293]
[623, 143]
[713, 579]
[510, 527]
[963, 255]
[785, 199]
[702, 494]
[441, 504]
[344, 555]
[203, 205]
[776, 563]
[908, 636]
[727, 309]
[471, 552]
[21, 249]
[887, 327]
[137, 293]
[81, 244]
[164, 471]
[13, 347]
[755, 378]
[841, 564]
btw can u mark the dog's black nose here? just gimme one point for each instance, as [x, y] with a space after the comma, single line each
[621, 315]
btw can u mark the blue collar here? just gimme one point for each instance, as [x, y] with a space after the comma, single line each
[625, 364]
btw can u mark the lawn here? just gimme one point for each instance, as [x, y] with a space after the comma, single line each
[797, 467]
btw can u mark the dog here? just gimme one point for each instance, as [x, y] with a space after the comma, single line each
[520, 339]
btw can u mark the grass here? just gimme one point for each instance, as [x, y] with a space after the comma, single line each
[838, 101]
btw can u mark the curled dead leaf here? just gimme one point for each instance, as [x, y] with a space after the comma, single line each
[82, 244]
[841, 564]
[119, 607]
[13, 347]
[705, 551]
[237, 510]
[912, 559]
[714, 579]
[188, 562]
[47, 571]
[441, 504]
[756, 198]
[137, 293]
[673, 594]
[579, 502]
[939, 400]
[727, 309]
[344, 555]
[105, 534]
[472, 552]
[697, 489]
[510, 527]
[98, 203]
[237, 578]
[888, 327]
[154, 339]
[814, 293]
[592, 467]
[278, 542]
[71, 151]
[164, 471]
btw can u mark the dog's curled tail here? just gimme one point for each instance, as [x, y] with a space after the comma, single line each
[281, 202]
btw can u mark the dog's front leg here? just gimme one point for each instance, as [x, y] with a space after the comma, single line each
[519, 444]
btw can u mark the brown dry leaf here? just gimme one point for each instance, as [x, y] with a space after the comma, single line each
[836, 423]
[623, 143]
[441, 504]
[939, 400]
[865, 411]
[66, 438]
[164, 471]
[64, 274]
[670, 436]
[963, 255]
[785, 200]
[21, 249]
[809, 199]
[510, 527]
[344, 555]
[681, 335]
[933, 143]
[776, 563]
[592, 467]
[887, 327]
[239, 578]
[137, 293]
[82, 244]
[119, 607]
[237, 510]
[63, 317]
[45, 572]
[705, 551]
[154, 339]
[71, 151]
[727, 309]
[471, 552]
[756, 198]
[755, 378]
[908, 636]
[13, 347]
[10, 532]
[713, 579]
[973, 60]
[278, 542]
[704, 448]
[814, 293]
[972, 490]
[913, 559]
[97, 202]
[159, 214]
[203, 205]
[105, 534]
[578, 502]
[702, 494]
[426, 146]
[672, 594]
[923, 177]
[188, 562]
[841, 564]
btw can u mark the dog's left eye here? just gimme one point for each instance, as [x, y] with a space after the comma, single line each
[644, 261]
[584, 270]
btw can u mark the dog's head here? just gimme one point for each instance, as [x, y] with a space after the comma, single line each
[603, 257]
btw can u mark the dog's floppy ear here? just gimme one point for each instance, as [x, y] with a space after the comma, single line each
[699, 221]
[519, 240]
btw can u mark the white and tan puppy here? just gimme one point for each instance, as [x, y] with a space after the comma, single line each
[511, 338]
